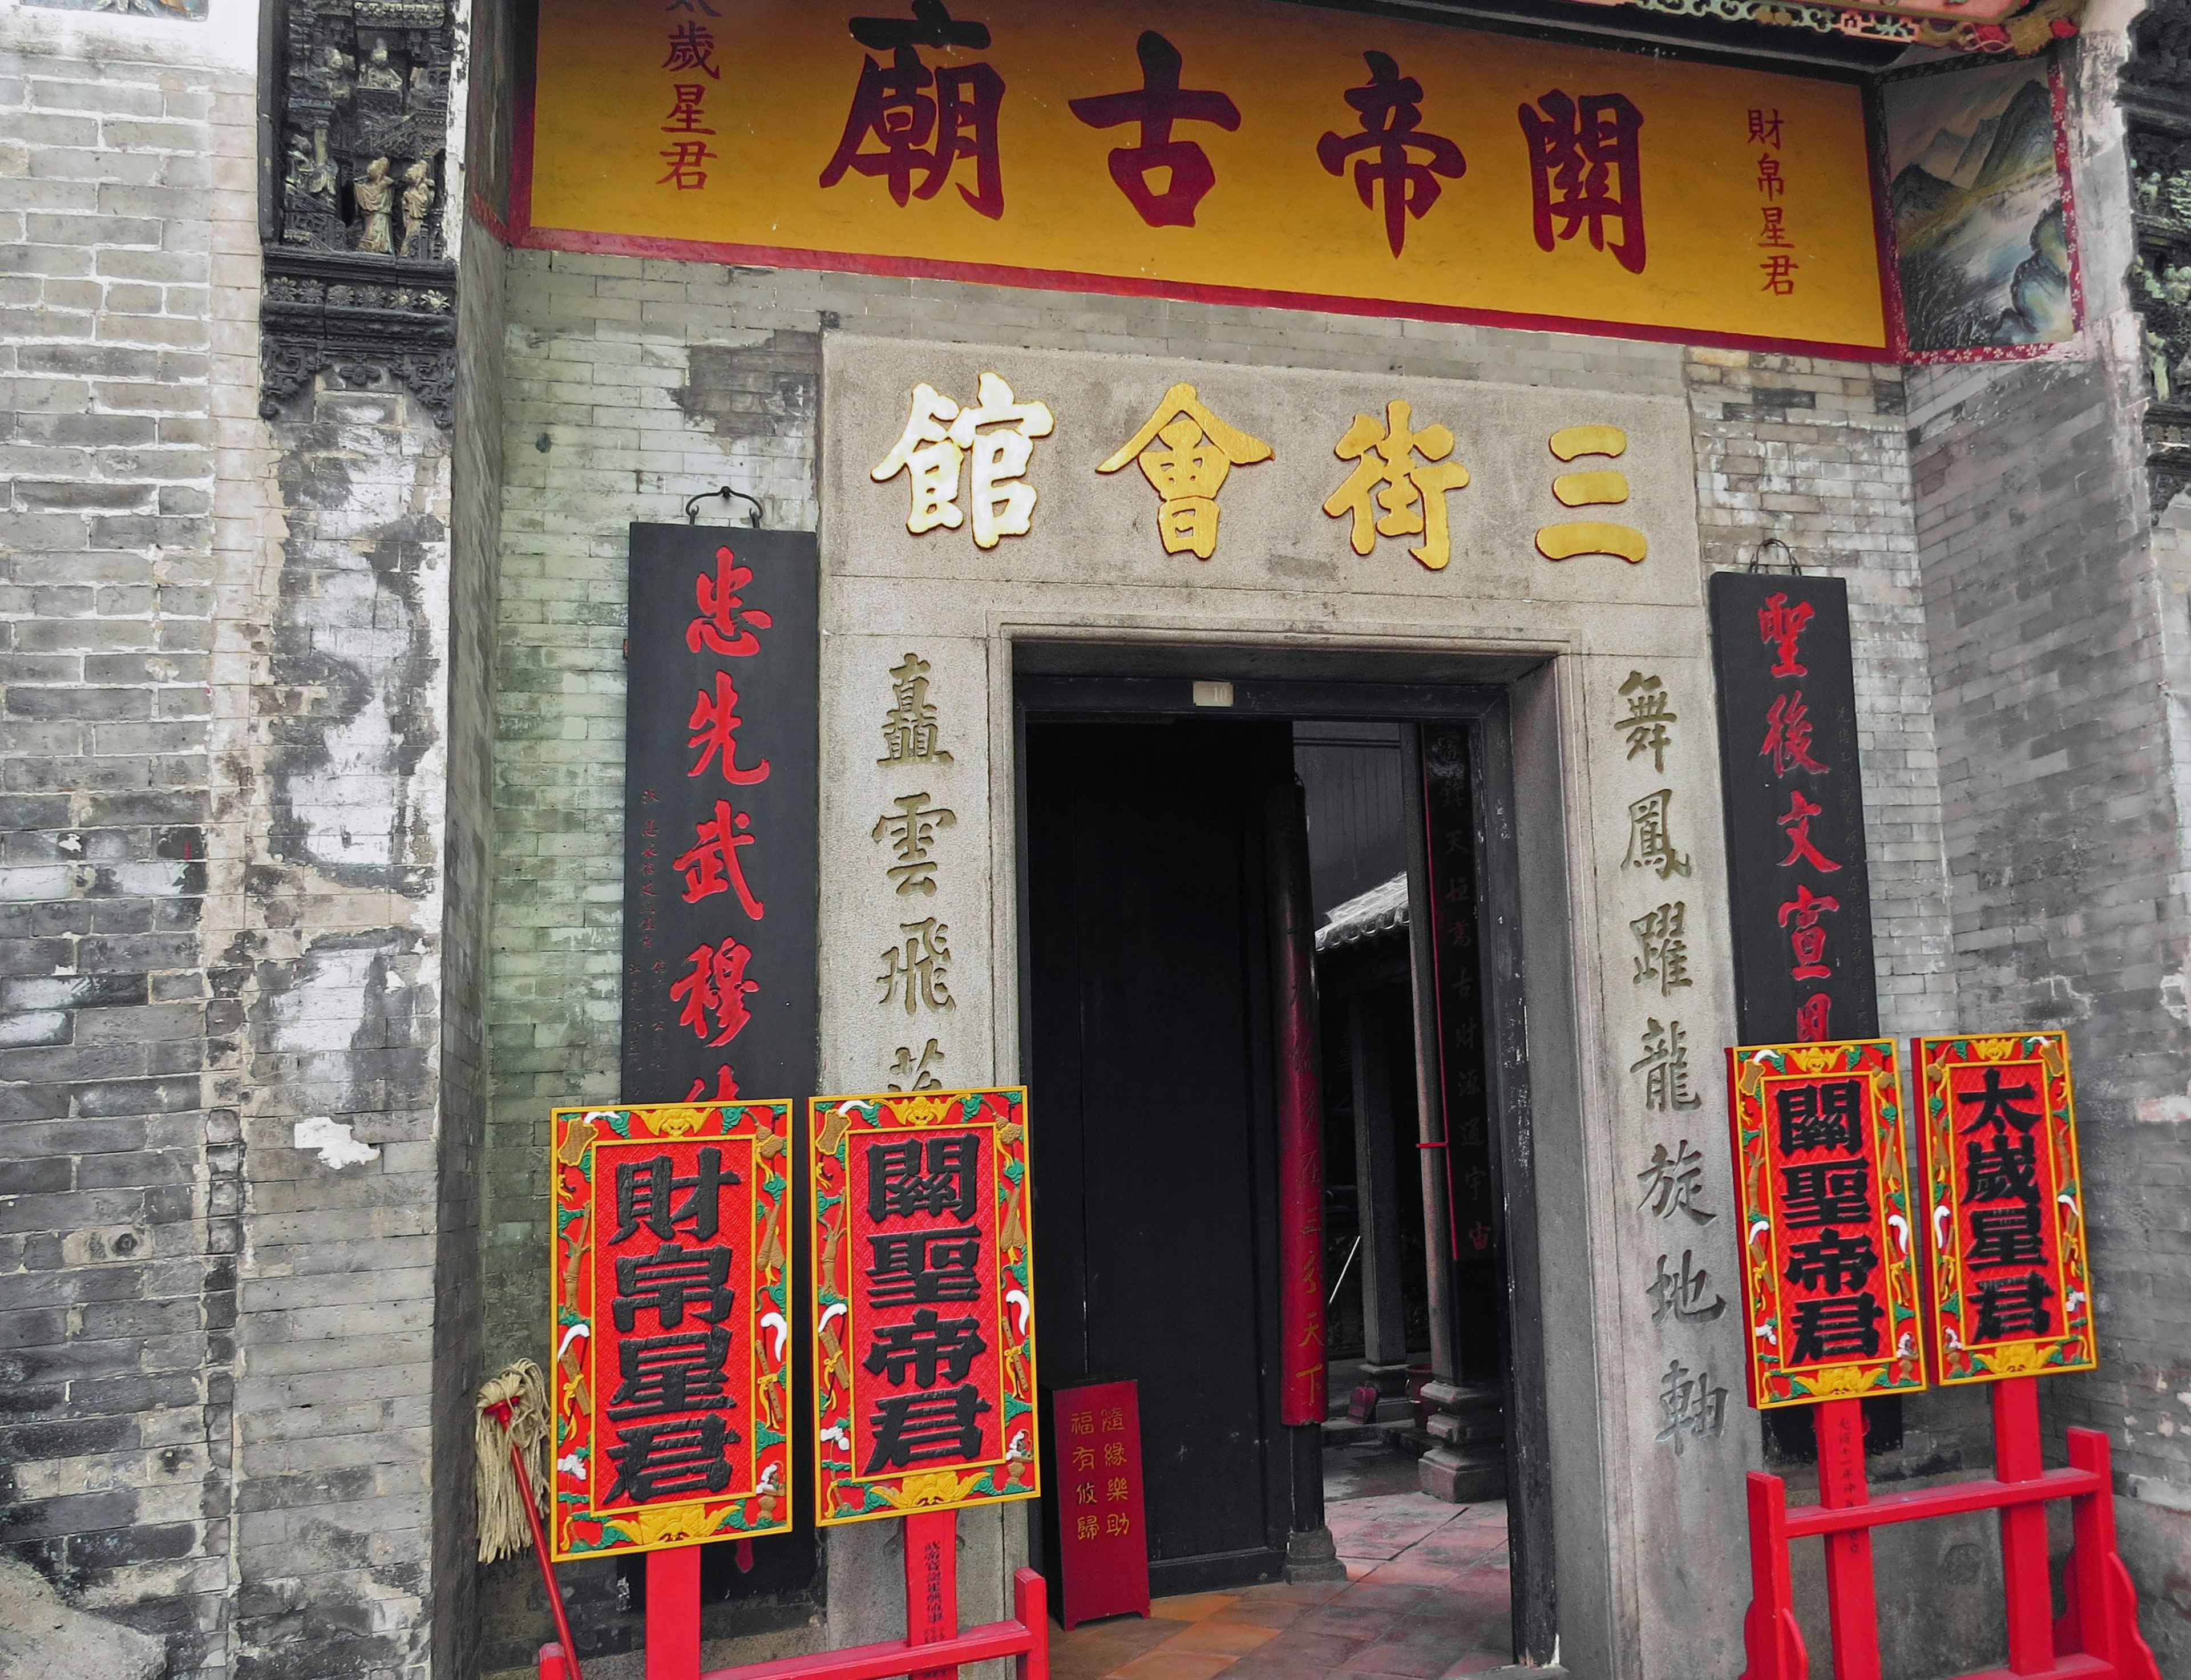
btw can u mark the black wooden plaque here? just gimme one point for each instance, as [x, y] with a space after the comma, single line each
[722, 764]
[1795, 805]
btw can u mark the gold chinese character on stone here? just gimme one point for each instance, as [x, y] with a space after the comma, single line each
[1411, 496]
[1186, 453]
[1651, 839]
[1663, 935]
[910, 825]
[913, 972]
[997, 431]
[911, 1073]
[1591, 487]
[1650, 710]
[911, 734]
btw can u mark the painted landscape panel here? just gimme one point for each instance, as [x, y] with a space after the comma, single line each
[1985, 240]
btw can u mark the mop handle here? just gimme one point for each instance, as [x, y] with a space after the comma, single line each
[500, 1412]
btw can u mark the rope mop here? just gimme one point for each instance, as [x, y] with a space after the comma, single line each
[509, 1441]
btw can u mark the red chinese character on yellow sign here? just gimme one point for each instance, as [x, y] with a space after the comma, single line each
[1390, 107]
[1586, 169]
[1160, 102]
[917, 131]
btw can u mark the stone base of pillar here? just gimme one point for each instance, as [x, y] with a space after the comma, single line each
[1390, 1378]
[1468, 1462]
[1463, 1475]
[1311, 1556]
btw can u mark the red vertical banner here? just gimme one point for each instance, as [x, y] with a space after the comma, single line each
[2009, 1289]
[1830, 1243]
[923, 1303]
[1102, 1537]
[669, 1324]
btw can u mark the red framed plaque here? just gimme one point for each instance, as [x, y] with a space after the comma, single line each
[2009, 1289]
[1102, 1536]
[924, 1303]
[1830, 1289]
[669, 1324]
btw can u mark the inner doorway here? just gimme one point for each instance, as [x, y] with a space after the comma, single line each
[1155, 1039]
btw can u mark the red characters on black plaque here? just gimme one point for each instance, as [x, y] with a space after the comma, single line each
[712, 866]
[1781, 627]
[1389, 105]
[715, 987]
[1585, 169]
[916, 132]
[1160, 103]
[1798, 822]
[1788, 735]
[714, 723]
[725, 625]
[716, 983]
[1786, 746]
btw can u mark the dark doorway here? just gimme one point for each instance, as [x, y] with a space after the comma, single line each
[1153, 1180]
[1166, 894]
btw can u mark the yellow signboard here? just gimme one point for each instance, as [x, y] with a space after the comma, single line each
[1225, 149]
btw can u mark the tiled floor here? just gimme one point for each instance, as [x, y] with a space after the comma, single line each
[1426, 1596]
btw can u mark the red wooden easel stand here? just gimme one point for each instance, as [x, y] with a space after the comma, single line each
[932, 1649]
[2095, 1639]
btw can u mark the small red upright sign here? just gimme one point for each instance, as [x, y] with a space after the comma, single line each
[1102, 1540]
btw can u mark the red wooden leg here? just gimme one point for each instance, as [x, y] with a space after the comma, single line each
[931, 1584]
[2016, 1458]
[1851, 1610]
[1771, 1639]
[673, 1613]
[2107, 1601]
[1029, 1605]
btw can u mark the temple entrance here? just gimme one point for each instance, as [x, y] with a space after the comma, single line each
[1157, 1042]
[1155, 1181]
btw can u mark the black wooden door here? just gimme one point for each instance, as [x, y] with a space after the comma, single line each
[1150, 1069]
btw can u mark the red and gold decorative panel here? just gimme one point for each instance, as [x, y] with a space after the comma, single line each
[1829, 1246]
[2010, 1293]
[924, 1303]
[670, 1323]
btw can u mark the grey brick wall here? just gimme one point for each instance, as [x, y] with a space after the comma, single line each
[118, 1229]
[1816, 453]
[2055, 619]
[223, 774]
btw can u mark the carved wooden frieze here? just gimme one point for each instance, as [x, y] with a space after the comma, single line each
[2156, 102]
[358, 280]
